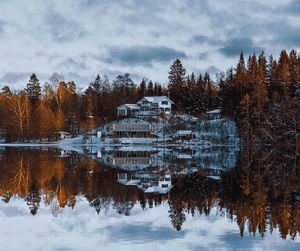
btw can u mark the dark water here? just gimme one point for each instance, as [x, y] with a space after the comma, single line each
[135, 198]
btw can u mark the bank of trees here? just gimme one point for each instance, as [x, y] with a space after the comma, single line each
[40, 112]
[262, 95]
[264, 98]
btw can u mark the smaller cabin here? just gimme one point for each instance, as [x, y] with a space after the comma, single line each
[128, 110]
[185, 134]
[64, 135]
[214, 114]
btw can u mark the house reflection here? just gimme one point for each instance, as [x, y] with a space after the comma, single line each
[147, 182]
[126, 158]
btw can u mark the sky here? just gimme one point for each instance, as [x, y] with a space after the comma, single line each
[83, 38]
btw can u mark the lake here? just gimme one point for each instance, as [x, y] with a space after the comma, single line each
[133, 197]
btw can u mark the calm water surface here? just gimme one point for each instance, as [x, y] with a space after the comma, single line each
[134, 198]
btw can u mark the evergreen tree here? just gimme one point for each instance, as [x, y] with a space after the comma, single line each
[33, 89]
[177, 83]
[240, 77]
[97, 84]
[150, 91]
[142, 89]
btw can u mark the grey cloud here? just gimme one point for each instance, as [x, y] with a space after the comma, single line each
[2, 23]
[138, 232]
[63, 29]
[71, 64]
[292, 8]
[144, 20]
[13, 211]
[84, 80]
[201, 39]
[203, 56]
[212, 70]
[235, 46]
[13, 77]
[144, 55]
[289, 36]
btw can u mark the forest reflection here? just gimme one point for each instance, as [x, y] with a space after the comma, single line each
[261, 192]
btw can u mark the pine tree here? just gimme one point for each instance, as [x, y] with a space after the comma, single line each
[240, 77]
[97, 84]
[150, 91]
[177, 83]
[33, 89]
[142, 89]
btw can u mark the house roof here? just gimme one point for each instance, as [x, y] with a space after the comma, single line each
[214, 111]
[156, 99]
[184, 132]
[129, 106]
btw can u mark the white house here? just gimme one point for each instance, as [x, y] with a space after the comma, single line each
[147, 106]
[214, 114]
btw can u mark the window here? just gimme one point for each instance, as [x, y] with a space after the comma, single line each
[167, 109]
[164, 102]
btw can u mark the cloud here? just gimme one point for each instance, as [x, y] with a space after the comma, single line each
[235, 46]
[136, 232]
[63, 29]
[212, 70]
[203, 56]
[71, 64]
[13, 77]
[201, 39]
[288, 36]
[143, 55]
[81, 80]
[2, 23]
[292, 8]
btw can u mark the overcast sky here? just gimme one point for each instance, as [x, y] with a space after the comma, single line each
[81, 38]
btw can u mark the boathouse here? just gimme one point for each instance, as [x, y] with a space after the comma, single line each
[131, 129]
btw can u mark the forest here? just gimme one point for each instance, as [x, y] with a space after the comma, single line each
[261, 94]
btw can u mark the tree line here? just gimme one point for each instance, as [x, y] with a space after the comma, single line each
[40, 112]
[262, 96]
